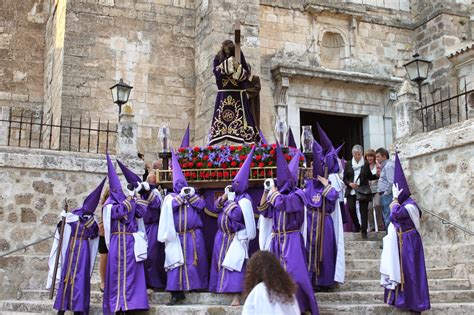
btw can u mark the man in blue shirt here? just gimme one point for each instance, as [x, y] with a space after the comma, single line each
[384, 187]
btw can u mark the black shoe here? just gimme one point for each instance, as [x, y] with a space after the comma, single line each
[364, 235]
[381, 246]
[175, 300]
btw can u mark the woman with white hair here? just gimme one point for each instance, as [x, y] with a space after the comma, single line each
[356, 177]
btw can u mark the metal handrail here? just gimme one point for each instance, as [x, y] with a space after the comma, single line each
[26, 246]
[446, 221]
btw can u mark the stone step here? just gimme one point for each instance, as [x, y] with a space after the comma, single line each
[372, 297]
[434, 284]
[335, 297]
[39, 307]
[372, 263]
[362, 245]
[372, 236]
[383, 309]
[362, 254]
[368, 274]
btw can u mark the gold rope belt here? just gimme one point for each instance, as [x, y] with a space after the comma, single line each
[122, 233]
[193, 235]
[284, 232]
[400, 243]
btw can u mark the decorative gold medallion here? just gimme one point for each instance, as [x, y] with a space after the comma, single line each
[316, 198]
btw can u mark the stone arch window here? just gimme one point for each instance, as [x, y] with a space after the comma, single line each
[333, 50]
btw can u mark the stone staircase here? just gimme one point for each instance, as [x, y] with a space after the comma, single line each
[360, 294]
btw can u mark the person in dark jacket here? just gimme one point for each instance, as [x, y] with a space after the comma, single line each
[356, 174]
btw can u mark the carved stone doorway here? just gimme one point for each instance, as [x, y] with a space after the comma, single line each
[340, 129]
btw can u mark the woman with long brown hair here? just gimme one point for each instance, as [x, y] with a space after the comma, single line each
[268, 287]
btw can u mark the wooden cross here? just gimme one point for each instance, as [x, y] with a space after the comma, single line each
[237, 43]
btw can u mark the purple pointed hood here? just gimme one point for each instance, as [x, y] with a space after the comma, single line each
[339, 148]
[90, 203]
[291, 139]
[294, 165]
[115, 187]
[330, 154]
[283, 173]
[400, 179]
[317, 160]
[240, 183]
[324, 140]
[262, 138]
[185, 141]
[130, 176]
[179, 181]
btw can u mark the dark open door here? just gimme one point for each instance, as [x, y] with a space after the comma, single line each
[347, 129]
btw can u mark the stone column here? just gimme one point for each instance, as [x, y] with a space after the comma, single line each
[406, 113]
[281, 99]
[127, 140]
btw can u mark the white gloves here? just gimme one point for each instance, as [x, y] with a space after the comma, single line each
[63, 214]
[146, 186]
[138, 188]
[395, 191]
[268, 184]
[129, 193]
[231, 196]
[187, 191]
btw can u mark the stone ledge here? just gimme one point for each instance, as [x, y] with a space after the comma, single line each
[446, 138]
[28, 158]
[292, 70]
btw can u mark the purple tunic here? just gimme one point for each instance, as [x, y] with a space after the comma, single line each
[414, 294]
[155, 273]
[287, 213]
[125, 286]
[74, 288]
[321, 269]
[232, 118]
[193, 275]
[229, 222]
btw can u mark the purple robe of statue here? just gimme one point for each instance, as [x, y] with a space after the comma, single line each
[287, 213]
[74, 288]
[125, 285]
[229, 222]
[232, 118]
[155, 273]
[414, 294]
[193, 275]
[321, 268]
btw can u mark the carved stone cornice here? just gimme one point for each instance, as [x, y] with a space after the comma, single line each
[282, 70]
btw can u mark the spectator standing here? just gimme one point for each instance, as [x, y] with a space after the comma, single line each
[356, 177]
[384, 185]
[375, 207]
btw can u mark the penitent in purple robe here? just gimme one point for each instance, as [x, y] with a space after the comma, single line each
[232, 120]
[287, 213]
[74, 288]
[321, 268]
[413, 294]
[155, 273]
[229, 222]
[193, 275]
[125, 285]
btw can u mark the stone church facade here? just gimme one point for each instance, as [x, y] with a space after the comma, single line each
[326, 61]
[334, 58]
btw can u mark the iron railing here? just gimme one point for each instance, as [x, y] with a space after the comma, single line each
[447, 110]
[446, 221]
[35, 130]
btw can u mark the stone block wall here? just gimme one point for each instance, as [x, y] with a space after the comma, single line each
[22, 31]
[32, 191]
[150, 44]
[440, 171]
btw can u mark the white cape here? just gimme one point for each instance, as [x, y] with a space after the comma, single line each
[238, 249]
[167, 234]
[264, 232]
[390, 260]
[336, 215]
[93, 247]
[258, 302]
